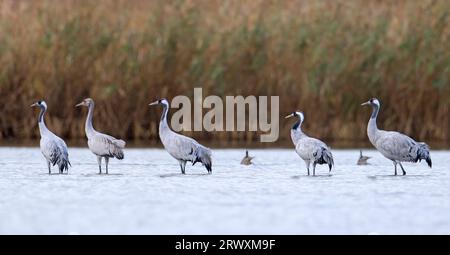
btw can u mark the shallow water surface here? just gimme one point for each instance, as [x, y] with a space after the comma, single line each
[146, 194]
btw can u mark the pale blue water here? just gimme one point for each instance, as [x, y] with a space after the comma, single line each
[145, 194]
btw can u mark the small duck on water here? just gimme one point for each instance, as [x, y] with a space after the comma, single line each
[362, 159]
[247, 160]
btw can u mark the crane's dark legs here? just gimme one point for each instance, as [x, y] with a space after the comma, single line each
[404, 172]
[99, 160]
[49, 170]
[209, 168]
[183, 166]
[307, 166]
[106, 162]
[395, 167]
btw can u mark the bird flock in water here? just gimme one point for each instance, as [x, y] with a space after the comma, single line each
[395, 146]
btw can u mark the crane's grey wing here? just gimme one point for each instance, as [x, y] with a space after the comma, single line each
[63, 161]
[105, 145]
[50, 150]
[313, 149]
[118, 142]
[322, 154]
[201, 154]
[182, 147]
[55, 151]
[187, 149]
[64, 151]
[399, 147]
[309, 145]
[396, 146]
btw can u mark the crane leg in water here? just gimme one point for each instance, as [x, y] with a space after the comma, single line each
[403, 170]
[49, 170]
[99, 160]
[183, 166]
[106, 162]
[307, 166]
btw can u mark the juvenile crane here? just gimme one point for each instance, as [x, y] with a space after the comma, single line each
[180, 147]
[394, 145]
[102, 145]
[311, 150]
[53, 148]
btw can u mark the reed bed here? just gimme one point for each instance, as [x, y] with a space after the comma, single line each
[321, 57]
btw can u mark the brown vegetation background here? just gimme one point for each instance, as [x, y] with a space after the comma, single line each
[321, 57]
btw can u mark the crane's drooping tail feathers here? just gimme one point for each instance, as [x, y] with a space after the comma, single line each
[64, 165]
[62, 162]
[203, 155]
[423, 152]
[324, 156]
[118, 152]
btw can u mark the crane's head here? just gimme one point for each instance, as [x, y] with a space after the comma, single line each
[372, 102]
[40, 104]
[162, 101]
[298, 114]
[86, 102]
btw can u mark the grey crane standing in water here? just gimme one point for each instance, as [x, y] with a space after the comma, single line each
[394, 145]
[311, 150]
[102, 145]
[180, 147]
[362, 159]
[53, 148]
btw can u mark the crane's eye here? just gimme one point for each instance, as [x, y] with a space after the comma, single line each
[39, 102]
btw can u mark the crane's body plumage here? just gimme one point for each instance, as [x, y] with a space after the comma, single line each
[53, 148]
[102, 145]
[106, 146]
[182, 148]
[394, 145]
[311, 150]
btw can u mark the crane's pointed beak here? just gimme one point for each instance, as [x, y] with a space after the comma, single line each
[290, 115]
[365, 103]
[80, 104]
[154, 103]
[33, 105]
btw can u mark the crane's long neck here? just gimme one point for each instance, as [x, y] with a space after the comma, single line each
[372, 128]
[296, 131]
[163, 121]
[164, 129]
[42, 127]
[88, 127]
